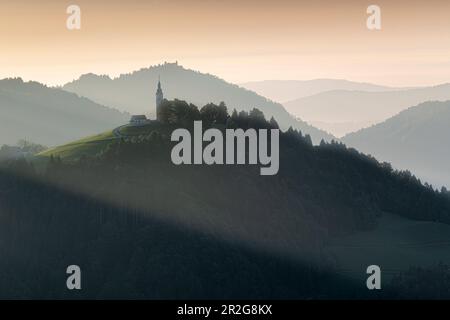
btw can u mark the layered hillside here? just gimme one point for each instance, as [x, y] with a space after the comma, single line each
[289, 90]
[415, 139]
[48, 116]
[135, 93]
[345, 111]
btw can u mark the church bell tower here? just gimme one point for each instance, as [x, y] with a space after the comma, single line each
[159, 98]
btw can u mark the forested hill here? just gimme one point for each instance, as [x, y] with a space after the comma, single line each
[135, 93]
[416, 139]
[143, 227]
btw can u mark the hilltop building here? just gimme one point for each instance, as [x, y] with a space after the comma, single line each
[140, 119]
[159, 98]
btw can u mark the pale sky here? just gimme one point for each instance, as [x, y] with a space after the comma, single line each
[236, 40]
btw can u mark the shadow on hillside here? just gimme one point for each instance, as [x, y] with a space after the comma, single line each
[127, 254]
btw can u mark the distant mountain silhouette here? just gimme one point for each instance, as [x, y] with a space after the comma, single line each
[416, 139]
[288, 90]
[30, 110]
[135, 93]
[343, 111]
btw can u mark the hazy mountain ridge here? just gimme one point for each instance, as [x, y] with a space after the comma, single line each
[415, 139]
[361, 108]
[50, 116]
[135, 92]
[289, 90]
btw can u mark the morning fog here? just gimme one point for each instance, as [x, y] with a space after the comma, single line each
[235, 151]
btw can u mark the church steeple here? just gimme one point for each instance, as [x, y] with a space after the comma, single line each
[159, 98]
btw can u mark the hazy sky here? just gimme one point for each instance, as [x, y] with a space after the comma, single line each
[236, 40]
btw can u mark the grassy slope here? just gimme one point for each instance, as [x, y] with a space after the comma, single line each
[92, 145]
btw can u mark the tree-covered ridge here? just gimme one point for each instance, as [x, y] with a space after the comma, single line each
[328, 176]
[182, 114]
[141, 227]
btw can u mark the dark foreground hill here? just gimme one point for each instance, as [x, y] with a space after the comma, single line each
[48, 116]
[141, 227]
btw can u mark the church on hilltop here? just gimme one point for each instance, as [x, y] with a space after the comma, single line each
[140, 119]
[159, 98]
